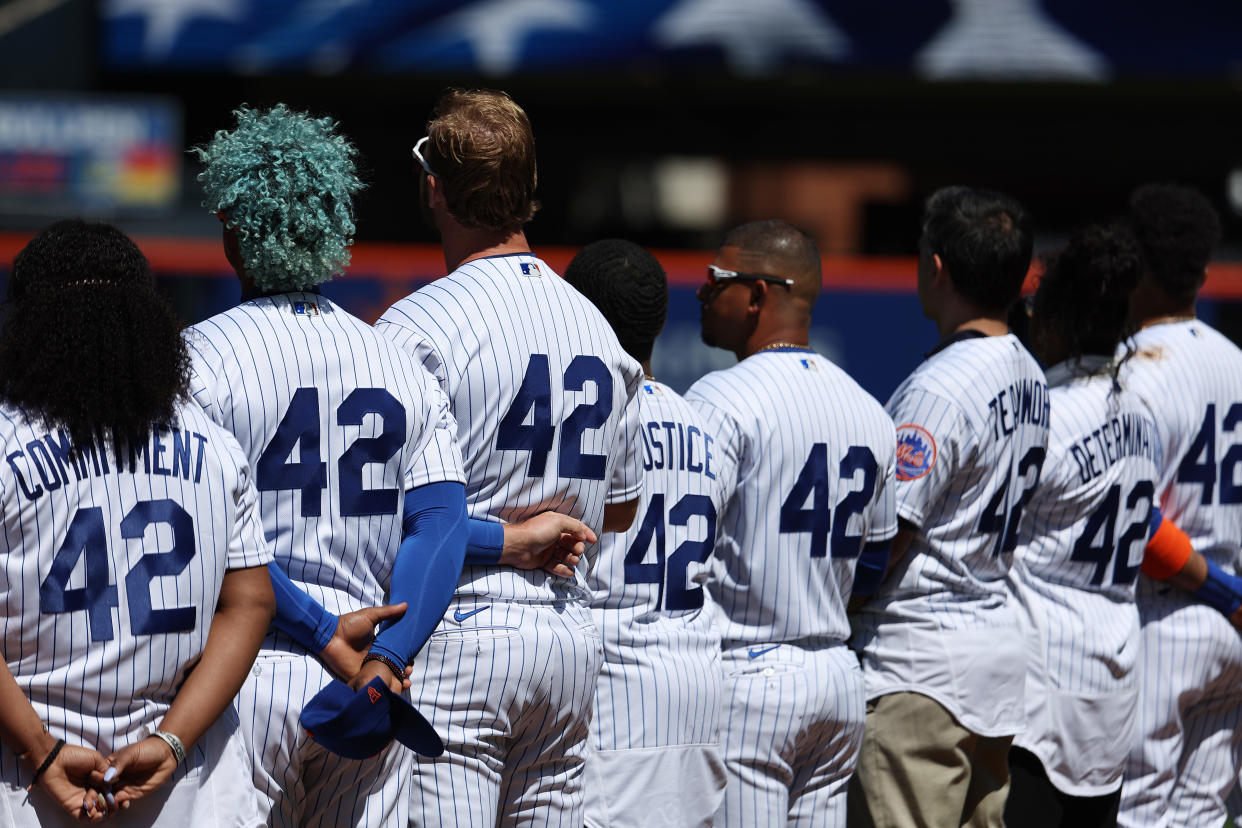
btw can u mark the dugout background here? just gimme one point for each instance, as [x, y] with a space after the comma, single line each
[841, 122]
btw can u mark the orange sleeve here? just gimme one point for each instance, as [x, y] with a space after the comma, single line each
[1166, 553]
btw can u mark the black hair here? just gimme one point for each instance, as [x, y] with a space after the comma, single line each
[789, 251]
[628, 286]
[87, 344]
[1178, 229]
[984, 240]
[1084, 294]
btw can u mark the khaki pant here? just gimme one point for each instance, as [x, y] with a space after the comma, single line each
[919, 768]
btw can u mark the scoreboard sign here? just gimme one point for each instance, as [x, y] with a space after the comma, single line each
[88, 156]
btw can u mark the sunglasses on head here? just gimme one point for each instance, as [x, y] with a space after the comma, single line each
[718, 275]
[418, 155]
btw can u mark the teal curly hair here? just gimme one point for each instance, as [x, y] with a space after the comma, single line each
[285, 183]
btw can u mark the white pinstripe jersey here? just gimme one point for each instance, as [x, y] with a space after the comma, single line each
[112, 569]
[1083, 534]
[661, 648]
[1191, 376]
[338, 424]
[544, 397]
[815, 482]
[972, 433]
[1084, 529]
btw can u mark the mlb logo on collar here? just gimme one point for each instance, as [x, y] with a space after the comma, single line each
[531, 269]
[305, 309]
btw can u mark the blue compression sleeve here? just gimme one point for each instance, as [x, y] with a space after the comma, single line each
[487, 540]
[298, 614]
[1220, 590]
[872, 563]
[427, 568]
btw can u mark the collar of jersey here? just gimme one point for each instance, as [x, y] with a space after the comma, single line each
[786, 350]
[501, 256]
[1084, 366]
[960, 336]
[248, 296]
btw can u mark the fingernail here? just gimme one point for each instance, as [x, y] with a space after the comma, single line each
[110, 774]
[111, 799]
[86, 803]
[125, 804]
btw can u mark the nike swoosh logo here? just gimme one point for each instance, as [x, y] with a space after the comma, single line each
[460, 616]
[757, 653]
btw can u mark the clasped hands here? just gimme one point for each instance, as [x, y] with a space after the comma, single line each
[549, 541]
[90, 786]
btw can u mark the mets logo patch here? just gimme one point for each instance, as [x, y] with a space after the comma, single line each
[916, 452]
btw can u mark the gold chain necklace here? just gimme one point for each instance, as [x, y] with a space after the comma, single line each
[775, 345]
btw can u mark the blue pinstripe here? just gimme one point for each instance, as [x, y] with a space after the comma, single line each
[793, 712]
[475, 330]
[1188, 737]
[248, 363]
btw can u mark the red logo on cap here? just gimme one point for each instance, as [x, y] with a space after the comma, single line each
[373, 694]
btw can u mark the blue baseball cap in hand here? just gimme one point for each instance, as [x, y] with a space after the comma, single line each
[359, 724]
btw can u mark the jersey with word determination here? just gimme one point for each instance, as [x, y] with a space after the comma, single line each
[112, 569]
[660, 642]
[338, 424]
[1081, 545]
[1191, 376]
[815, 483]
[544, 397]
[972, 433]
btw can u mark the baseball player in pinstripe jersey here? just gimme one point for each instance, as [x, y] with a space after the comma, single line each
[942, 651]
[544, 397]
[1083, 533]
[352, 445]
[807, 526]
[655, 758]
[1185, 756]
[134, 585]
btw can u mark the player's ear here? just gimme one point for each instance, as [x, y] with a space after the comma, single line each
[435, 192]
[758, 295]
[939, 274]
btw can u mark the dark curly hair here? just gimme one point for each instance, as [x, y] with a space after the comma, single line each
[628, 286]
[1178, 229]
[985, 241]
[87, 344]
[1084, 294]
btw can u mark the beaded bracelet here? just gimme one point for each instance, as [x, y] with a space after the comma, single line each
[396, 668]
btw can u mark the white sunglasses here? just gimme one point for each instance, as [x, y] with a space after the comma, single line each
[418, 155]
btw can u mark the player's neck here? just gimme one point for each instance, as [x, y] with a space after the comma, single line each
[787, 337]
[1149, 308]
[957, 315]
[986, 325]
[465, 244]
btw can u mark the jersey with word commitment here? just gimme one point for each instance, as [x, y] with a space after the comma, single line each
[661, 648]
[972, 434]
[815, 483]
[544, 397]
[112, 568]
[1082, 539]
[338, 424]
